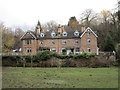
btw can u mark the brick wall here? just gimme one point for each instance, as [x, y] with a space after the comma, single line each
[58, 44]
[92, 45]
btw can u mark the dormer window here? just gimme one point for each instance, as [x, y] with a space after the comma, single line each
[42, 35]
[64, 33]
[53, 34]
[76, 33]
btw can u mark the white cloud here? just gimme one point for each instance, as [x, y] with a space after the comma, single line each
[20, 12]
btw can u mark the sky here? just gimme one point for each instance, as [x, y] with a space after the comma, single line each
[28, 12]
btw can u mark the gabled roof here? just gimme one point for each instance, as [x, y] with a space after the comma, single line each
[28, 35]
[87, 30]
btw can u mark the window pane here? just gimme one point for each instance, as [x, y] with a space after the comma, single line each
[64, 41]
[53, 42]
[88, 41]
[77, 49]
[76, 41]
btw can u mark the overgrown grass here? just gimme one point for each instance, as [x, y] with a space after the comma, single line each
[19, 77]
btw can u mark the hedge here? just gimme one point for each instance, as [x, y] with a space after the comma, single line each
[41, 56]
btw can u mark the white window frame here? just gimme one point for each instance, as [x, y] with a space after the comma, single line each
[53, 49]
[64, 33]
[28, 50]
[76, 42]
[76, 49]
[89, 50]
[53, 34]
[42, 35]
[64, 41]
[88, 32]
[41, 42]
[76, 33]
[89, 40]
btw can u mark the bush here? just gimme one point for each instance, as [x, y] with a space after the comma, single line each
[44, 55]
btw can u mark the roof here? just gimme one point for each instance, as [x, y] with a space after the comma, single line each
[29, 35]
[87, 30]
[70, 34]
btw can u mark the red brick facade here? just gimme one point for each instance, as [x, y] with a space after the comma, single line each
[86, 42]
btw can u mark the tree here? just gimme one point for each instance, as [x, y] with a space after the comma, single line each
[7, 38]
[109, 44]
[118, 52]
[87, 17]
[17, 35]
[50, 26]
[73, 23]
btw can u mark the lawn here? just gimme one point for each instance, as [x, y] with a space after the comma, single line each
[19, 77]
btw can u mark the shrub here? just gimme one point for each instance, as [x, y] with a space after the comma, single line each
[44, 55]
[64, 51]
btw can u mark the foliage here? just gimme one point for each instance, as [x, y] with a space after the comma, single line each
[118, 52]
[44, 55]
[64, 51]
[109, 44]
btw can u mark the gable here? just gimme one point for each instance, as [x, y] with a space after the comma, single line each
[28, 35]
[91, 31]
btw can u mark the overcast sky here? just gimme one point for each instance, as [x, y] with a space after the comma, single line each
[28, 12]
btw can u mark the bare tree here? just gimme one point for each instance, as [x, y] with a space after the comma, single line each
[52, 25]
[17, 35]
[87, 17]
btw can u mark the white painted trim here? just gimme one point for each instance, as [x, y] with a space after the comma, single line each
[86, 31]
[29, 33]
[23, 35]
[33, 35]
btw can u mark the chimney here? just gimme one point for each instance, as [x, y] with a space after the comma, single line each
[60, 29]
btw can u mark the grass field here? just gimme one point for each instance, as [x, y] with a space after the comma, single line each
[18, 77]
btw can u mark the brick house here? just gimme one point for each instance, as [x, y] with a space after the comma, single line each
[72, 41]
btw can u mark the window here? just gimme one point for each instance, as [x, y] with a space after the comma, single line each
[88, 50]
[53, 42]
[88, 32]
[41, 42]
[88, 41]
[76, 33]
[77, 49]
[76, 41]
[53, 34]
[53, 49]
[42, 34]
[28, 42]
[64, 33]
[64, 41]
[29, 50]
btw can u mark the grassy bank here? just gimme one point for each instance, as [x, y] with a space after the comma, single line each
[19, 77]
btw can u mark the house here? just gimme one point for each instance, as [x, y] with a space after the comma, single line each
[73, 41]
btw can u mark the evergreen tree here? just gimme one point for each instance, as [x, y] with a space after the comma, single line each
[109, 44]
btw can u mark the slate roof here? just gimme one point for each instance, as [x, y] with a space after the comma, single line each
[29, 35]
[70, 34]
